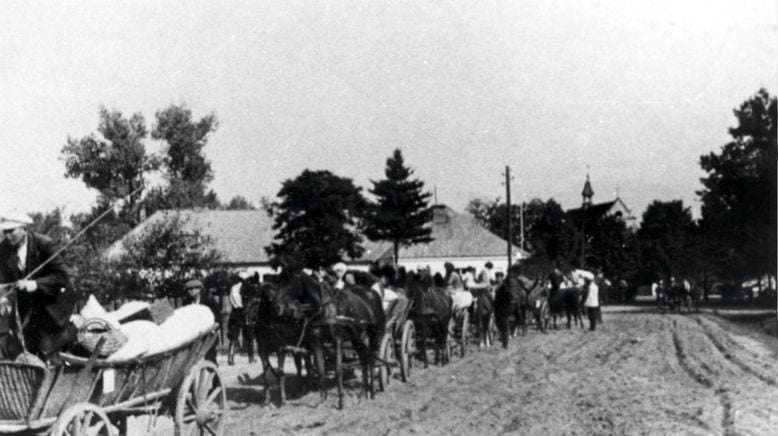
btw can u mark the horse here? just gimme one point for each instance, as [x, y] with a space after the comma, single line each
[345, 315]
[431, 311]
[274, 334]
[512, 303]
[483, 310]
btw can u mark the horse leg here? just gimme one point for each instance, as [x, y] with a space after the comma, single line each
[524, 321]
[339, 369]
[503, 325]
[265, 358]
[422, 340]
[318, 355]
[281, 375]
[298, 364]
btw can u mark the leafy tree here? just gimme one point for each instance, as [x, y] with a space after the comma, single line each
[491, 214]
[667, 234]
[179, 195]
[116, 164]
[548, 234]
[483, 211]
[739, 195]
[317, 221]
[164, 256]
[612, 248]
[183, 164]
[239, 202]
[402, 211]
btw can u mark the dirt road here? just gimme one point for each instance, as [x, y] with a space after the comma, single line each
[642, 373]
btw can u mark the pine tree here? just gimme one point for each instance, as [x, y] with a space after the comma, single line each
[402, 210]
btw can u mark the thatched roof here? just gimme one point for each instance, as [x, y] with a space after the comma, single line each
[455, 235]
[240, 236]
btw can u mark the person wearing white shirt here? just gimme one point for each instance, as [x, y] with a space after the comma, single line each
[592, 302]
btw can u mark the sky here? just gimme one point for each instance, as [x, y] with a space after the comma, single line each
[632, 91]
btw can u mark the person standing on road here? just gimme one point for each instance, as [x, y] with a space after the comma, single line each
[592, 302]
[236, 323]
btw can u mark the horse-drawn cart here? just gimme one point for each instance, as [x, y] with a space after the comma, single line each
[91, 396]
[398, 341]
[458, 328]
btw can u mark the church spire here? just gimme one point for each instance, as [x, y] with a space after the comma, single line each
[587, 193]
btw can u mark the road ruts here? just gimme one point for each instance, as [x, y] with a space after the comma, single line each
[642, 373]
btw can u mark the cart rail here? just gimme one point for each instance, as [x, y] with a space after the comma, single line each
[33, 397]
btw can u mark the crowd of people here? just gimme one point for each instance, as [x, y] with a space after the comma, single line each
[37, 299]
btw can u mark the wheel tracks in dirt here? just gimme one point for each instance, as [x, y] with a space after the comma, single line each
[727, 354]
[429, 394]
[722, 394]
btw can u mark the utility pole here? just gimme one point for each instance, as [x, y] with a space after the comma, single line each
[522, 225]
[508, 218]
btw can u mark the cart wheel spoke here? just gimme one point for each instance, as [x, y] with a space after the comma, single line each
[213, 395]
[191, 404]
[210, 430]
[189, 418]
[77, 426]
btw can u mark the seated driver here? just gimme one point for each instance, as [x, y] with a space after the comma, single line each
[461, 298]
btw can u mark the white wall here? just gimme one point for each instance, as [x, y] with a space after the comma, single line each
[436, 264]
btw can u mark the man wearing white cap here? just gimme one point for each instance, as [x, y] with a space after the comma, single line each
[41, 281]
[340, 271]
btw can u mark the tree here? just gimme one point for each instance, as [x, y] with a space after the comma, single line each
[402, 210]
[667, 237]
[739, 195]
[612, 248]
[116, 164]
[317, 220]
[548, 234]
[183, 164]
[164, 256]
[239, 202]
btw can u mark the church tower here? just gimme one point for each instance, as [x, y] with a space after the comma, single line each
[587, 193]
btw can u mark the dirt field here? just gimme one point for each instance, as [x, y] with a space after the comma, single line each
[642, 373]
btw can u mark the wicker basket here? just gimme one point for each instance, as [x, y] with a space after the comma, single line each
[95, 329]
[20, 383]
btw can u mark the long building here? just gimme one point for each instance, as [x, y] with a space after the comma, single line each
[241, 237]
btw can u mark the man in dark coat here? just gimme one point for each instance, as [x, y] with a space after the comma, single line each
[42, 285]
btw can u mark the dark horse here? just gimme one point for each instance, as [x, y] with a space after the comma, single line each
[331, 316]
[568, 301]
[514, 299]
[431, 310]
[511, 304]
[483, 310]
[275, 334]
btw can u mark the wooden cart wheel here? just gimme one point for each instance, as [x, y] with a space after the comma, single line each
[387, 354]
[407, 350]
[491, 332]
[451, 341]
[83, 419]
[463, 333]
[201, 405]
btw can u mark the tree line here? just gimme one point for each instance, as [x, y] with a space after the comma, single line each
[733, 241]
[321, 218]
